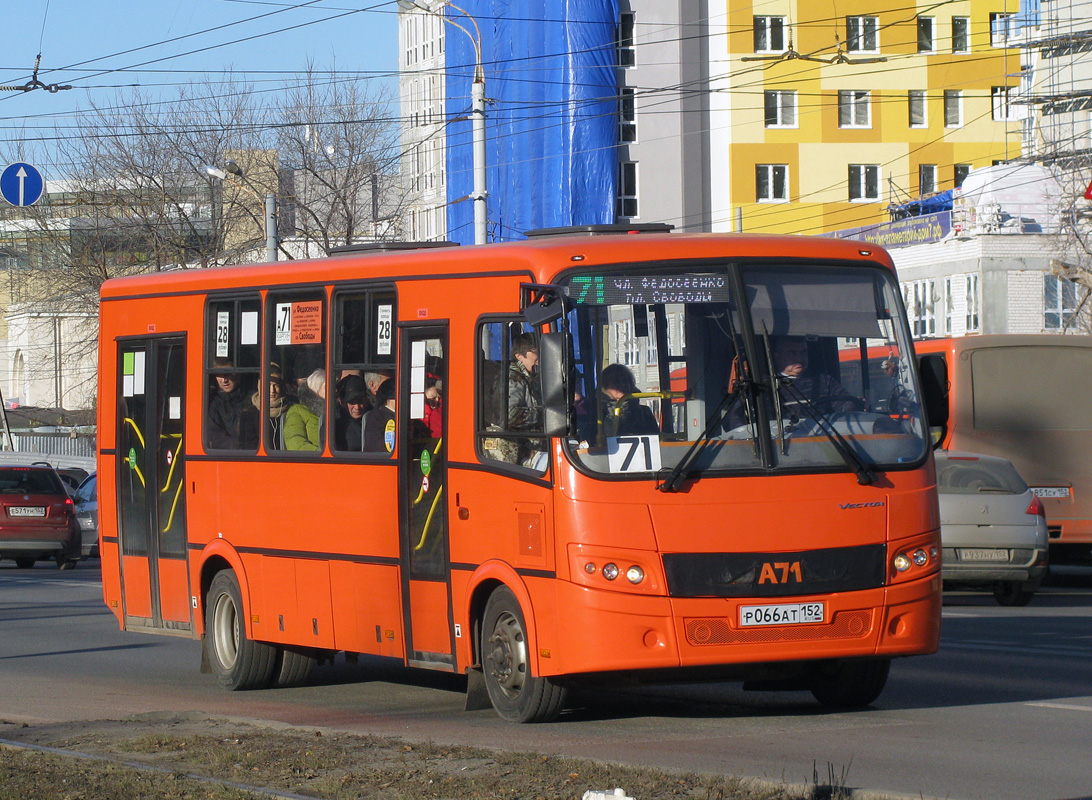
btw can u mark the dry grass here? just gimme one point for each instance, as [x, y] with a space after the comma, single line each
[198, 759]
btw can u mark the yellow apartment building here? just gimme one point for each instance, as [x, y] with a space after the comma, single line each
[822, 113]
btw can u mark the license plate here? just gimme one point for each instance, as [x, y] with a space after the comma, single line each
[26, 511]
[781, 614]
[983, 554]
[1050, 491]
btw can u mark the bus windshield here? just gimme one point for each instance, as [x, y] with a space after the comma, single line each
[734, 368]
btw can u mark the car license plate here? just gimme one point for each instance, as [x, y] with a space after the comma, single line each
[1050, 491]
[983, 554]
[26, 511]
[781, 614]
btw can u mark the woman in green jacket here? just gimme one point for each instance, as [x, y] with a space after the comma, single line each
[303, 423]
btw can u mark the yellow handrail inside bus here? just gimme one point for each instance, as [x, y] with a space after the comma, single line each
[170, 472]
[174, 505]
[428, 519]
[133, 466]
[137, 430]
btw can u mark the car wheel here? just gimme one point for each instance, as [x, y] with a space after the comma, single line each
[849, 684]
[237, 661]
[24, 563]
[1012, 593]
[294, 667]
[515, 692]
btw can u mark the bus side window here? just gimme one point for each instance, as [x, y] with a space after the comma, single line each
[362, 357]
[233, 366]
[509, 396]
[297, 351]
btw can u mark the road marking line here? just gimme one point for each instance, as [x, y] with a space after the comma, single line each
[1063, 706]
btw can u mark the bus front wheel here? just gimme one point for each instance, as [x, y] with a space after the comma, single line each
[237, 661]
[515, 692]
[849, 684]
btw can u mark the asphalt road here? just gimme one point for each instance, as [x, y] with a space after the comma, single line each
[1004, 710]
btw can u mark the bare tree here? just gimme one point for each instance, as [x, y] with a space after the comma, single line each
[339, 141]
[1074, 240]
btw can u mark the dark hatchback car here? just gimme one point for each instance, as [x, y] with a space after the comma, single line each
[37, 517]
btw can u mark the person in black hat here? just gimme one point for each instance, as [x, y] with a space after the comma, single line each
[352, 397]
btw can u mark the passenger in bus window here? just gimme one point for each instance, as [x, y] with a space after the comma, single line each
[304, 424]
[524, 390]
[226, 414]
[625, 416]
[379, 427]
[434, 407]
[373, 380]
[279, 403]
[352, 403]
[790, 361]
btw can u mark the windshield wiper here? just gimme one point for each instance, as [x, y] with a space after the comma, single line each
[865, 476]
[682, 469]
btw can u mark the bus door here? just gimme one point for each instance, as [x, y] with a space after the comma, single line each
[422, 468]
[151, 483]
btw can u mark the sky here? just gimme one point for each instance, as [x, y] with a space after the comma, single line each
[101, 47]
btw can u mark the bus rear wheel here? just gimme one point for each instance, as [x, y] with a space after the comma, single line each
[294, 667]
[849, 684]
[237, 661]
[517, 694]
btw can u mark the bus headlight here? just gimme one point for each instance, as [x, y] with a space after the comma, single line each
[635, 575]
[610, 571]
[902, 563]
[920, 557]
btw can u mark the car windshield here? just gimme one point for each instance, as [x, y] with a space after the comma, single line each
[722, 367]
[21, 480]
[973, 475]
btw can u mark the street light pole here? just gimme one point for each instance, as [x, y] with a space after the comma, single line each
[477, 119]
[272, 242]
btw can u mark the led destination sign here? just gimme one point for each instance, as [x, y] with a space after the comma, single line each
[647, 289]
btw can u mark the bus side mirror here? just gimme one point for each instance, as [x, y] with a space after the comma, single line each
[934, 388]
[553, 370]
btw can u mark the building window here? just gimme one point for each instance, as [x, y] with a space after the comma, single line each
[854, 108]
[961, 35]
[927, 179]
[769, 34]
[999, 99]
[916, 100]
[861, 34]
[974, 302]
[771, 183]
[961, 173]
[780, 108]
[627, 189]
[1059, 302]
[925, 35]
[864, 182]
[627, 116]
[953, 108]
[921, 305]
[627, 54]
[1000, 29]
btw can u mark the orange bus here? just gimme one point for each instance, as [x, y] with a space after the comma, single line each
[424, 454]
[1028, 398]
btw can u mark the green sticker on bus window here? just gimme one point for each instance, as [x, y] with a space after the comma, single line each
[426, 462]
[128, 363]
[132, 458]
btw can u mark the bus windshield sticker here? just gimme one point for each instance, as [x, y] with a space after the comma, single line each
[633, 453]
[174, 407]
[138, 372]
[223, 333]
[384, 330]
[248, 332]
[284, 324]
[645, 289]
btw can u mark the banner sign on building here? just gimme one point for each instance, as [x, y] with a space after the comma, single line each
[903, 233]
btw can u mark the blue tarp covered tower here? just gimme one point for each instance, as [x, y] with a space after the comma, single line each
[551, 119]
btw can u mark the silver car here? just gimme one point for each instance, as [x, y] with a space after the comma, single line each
[992, 527]
[86, 499]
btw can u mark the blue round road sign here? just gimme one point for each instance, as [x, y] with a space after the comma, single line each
[21, 184]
